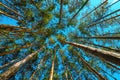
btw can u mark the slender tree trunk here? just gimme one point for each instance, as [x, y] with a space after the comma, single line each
[78, 11]
[8, 64]
[107, 15]
[15, 50]
[40, 64]
[94, 9]
[10, 9]
[69, 73]
[91, 69]
[95, 23]
[116, 50]
[6, 14]
[32, 76]
[110, 64]
[18, 29]
[52, 69]
[66, 75]
[111, 34]
[112, 4]
[10, 4]
[61, 5]
[108, 73]
[15, 67]
[13, 27]
[106, 55]
[100, 37]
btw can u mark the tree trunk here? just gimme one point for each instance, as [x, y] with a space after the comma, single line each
[107, 15]
[16, 49]
[106, 55]
[90, 68]
[112, 4]
[100, 37]
[15, 67]
[95, 23]
[52, 69]
[6, 14]
[61, 5]
[78, 11]
[104, 47]
[8, 64]
[94, 9]
[42, 61]
[10, 9]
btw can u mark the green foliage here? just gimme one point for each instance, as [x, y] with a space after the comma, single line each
[74, 22]
[65, 2]
[28, 13]
[56, 76]
[51, 40]
[51, 8]
[39, 24]
[24, 79]
[83, 30]
[61, 38]
[45, 21]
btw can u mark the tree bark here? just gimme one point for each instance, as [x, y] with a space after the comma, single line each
[42, 62]
[91, 69]
[95, 23]
[17, 49]
[112, 4]
[52, 69]
[78, 11]
[94, 9]
[8, 64]
[107, 15]
[106, 55]
[15, 67]
[13, 27]
[100, 37]
[108, 48]
[61, 5]
[10, 9]
[6, 14]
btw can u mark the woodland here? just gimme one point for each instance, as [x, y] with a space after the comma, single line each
[60, 40]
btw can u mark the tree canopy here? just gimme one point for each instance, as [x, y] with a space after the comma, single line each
[60, 40]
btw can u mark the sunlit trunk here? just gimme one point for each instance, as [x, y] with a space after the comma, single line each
[10, 9]
[106, 55]
[8, 64]
[15, 67]
[52, 69]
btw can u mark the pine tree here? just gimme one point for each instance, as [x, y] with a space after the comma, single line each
[59, 39]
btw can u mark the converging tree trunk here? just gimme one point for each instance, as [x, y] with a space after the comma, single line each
[8, 64]
[94, 9]
[100, 77]
[108, 56]
[10, 9]
[52, 69]
[15, 67]
[100, 37]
